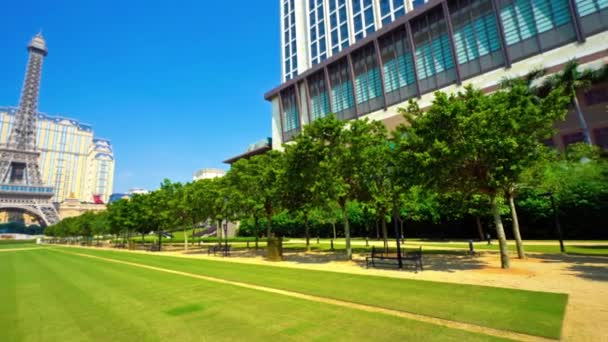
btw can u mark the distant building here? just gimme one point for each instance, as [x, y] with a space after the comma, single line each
[254, 149]
[208, 174]
[134, 191]
[72, 160]
[72, 207]
[137, 191]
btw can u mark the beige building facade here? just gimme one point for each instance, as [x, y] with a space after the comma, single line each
[72, 160]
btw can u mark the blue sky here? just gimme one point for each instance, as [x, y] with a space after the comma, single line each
[176, 86]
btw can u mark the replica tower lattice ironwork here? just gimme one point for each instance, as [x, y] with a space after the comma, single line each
[21, 186]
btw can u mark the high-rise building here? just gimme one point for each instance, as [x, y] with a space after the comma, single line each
[314, 30]
[72, 161]
[364, 58]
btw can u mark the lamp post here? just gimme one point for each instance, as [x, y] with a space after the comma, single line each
[558, 227]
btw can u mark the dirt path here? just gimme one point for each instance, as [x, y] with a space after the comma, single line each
[350, 305]
[18, 249]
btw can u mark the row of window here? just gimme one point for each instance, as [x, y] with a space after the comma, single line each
[290, 60]
[600, 138]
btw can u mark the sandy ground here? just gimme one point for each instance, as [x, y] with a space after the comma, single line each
[584, 278]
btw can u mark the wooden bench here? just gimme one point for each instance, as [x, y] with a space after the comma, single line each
[389, 257]
[154, 248]
[225, 249]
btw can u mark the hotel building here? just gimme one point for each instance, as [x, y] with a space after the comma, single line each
[75, 163]
[364, 58]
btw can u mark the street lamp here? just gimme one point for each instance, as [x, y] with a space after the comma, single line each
[558, 227]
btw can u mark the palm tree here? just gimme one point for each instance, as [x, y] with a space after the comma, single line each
[574, 80]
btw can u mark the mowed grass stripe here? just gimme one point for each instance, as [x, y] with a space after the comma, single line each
[491, 307]
[349, 305]
[60, 297]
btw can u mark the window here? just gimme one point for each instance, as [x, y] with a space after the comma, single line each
[594, 15]
[318, 50]
[434, 60]
[475, 36]
[363, 18]
[399, 78]
[601, 137]
[391, 10]
[319, 99]
[291, 116]
[532, 26]
[338, 25]
[596, 96]
[368, 87]
[341, 90]
[290, 64]
[573, 138]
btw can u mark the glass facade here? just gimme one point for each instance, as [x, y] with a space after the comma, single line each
[398, 67]
[363, 18]
[368, 87]
[291, 115]
[475, 36]
[290, 60]
[319, 98]
[533, 26]
[342, 100]
[594, 15]
[318, 39]
[434, 57]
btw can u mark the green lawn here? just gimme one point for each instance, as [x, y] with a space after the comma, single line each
[47, 295]
[7, 244]
[488, 306]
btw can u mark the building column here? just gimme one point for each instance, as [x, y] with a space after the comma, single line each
[448, 20]
[298, 104]
[308, 99]
[381, 71]
[351, 73]
[328, 89]
[501, 34]
[410, 39]
[576, 21]
[281, 112]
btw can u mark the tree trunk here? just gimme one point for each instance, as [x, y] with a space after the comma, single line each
[581, 120]
[377, 230]
[349, 252]
[255, 231]
[307, 230]
[333, 225]
[218, 233]
[401, 223]
[268, 225]
[185, 239]
[384, 234]
[500, 232]
[479, 228]
[516, 233]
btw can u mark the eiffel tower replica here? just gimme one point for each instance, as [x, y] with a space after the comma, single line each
[21, 187]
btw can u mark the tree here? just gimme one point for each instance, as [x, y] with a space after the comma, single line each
[573, 80]
[297, 181]
[472, 142]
